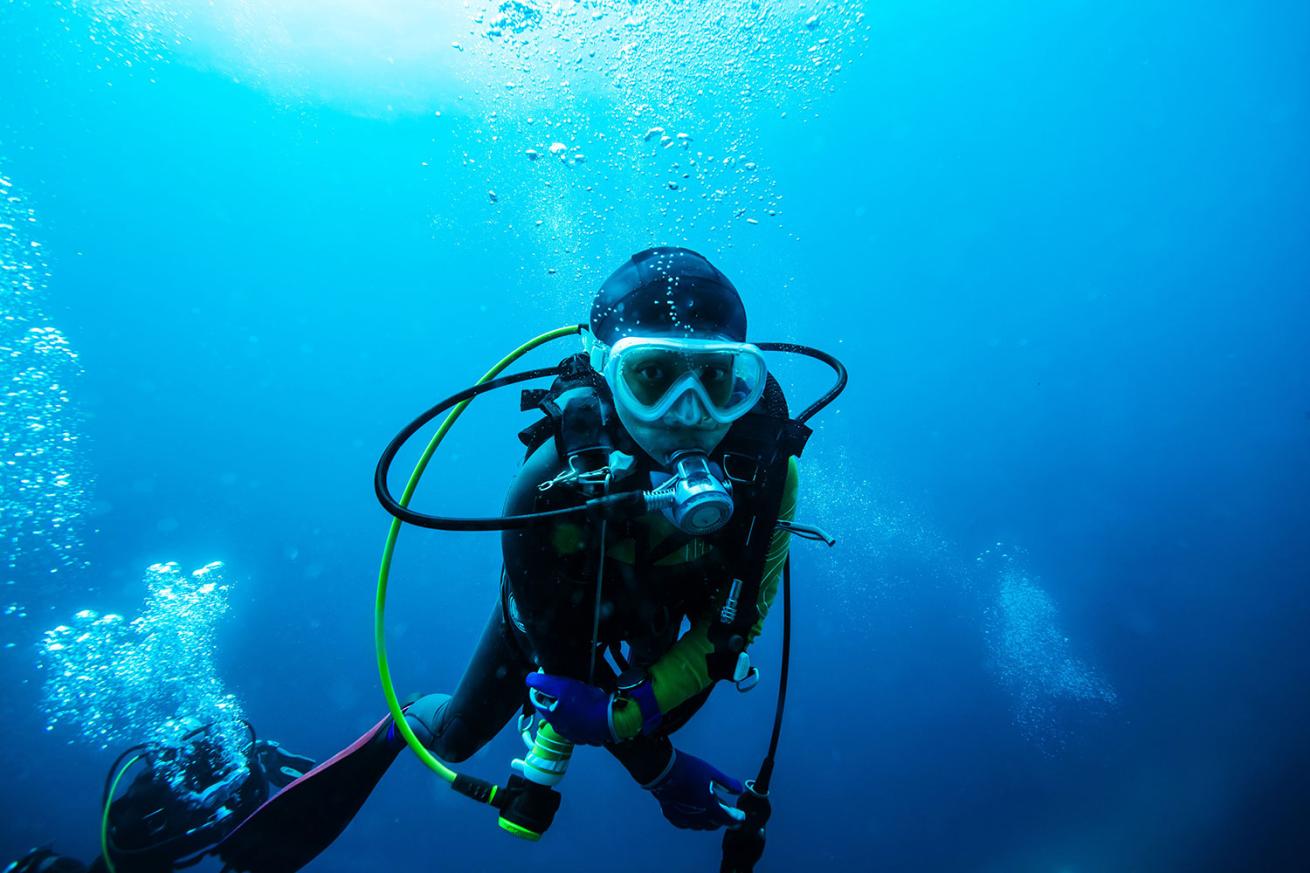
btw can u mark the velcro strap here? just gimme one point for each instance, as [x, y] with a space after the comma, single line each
[795, 434]
[721, 664]
[537, 433]
[530, 398]
[651, 716]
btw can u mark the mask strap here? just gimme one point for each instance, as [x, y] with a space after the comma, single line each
[597, 352]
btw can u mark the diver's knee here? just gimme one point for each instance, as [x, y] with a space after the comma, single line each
[441, 731]
[425, 717]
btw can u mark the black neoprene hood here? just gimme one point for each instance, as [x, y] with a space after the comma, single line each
[667, 290]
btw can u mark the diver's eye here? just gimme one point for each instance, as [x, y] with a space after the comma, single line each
[651, 372]
[713, 374]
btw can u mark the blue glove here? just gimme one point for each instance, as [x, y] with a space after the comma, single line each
[687, 796]
[580, 712]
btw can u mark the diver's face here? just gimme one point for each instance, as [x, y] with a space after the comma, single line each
[687, 426]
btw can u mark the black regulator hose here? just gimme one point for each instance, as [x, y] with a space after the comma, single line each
[765, 776]
[622, 503]
[743, 846]
[828, 396]
[632, 501]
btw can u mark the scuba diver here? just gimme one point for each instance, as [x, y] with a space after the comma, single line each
[183, 801]
[643, 541]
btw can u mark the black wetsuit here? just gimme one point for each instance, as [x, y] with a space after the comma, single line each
[544, 614]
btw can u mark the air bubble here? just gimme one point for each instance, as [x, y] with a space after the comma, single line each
[113, 682]
[46, 491]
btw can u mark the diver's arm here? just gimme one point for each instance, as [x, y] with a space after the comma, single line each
[550, 604]
[682, 673]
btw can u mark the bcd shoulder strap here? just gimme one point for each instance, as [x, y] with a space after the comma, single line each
[577, 373]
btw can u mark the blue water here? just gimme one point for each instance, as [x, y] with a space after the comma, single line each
[1060, 246]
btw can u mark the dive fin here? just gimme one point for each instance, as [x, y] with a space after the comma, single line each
[291, 828]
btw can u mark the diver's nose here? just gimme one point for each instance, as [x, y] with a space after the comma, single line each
[687, 411]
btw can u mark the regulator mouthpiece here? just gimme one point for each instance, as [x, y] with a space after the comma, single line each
[695, 500]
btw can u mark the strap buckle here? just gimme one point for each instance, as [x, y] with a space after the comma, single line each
[620, 464]
[745, 676]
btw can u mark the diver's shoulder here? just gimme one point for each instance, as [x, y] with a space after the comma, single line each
[525, 494]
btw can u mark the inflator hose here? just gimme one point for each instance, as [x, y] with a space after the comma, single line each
[478, 790]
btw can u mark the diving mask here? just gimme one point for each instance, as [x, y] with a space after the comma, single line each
[648, 376]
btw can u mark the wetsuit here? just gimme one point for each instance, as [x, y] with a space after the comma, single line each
[655, 578]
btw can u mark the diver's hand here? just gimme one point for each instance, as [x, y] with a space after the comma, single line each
[580, 712]
[688, 797]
